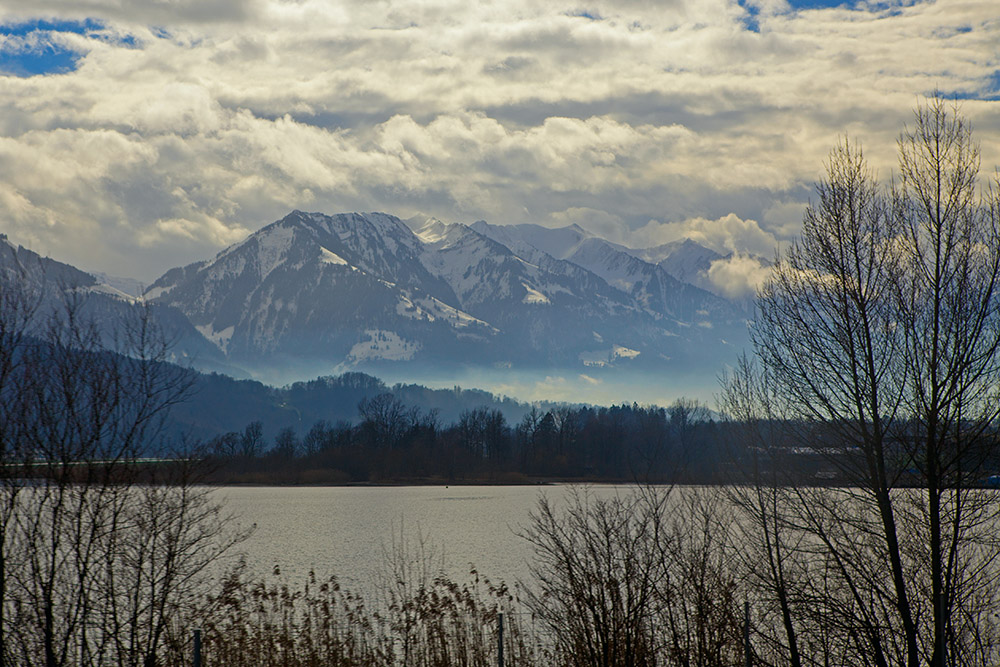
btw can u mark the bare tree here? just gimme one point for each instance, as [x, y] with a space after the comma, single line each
[642, 578]
[764, 542]
[106, 552]
[879, 334]
[384, 420]
[950, 308]
[596, 569]
[18, 310]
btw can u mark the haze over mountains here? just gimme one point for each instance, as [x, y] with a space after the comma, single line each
[314, 294]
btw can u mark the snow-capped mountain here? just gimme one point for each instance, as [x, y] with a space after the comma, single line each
[50, 284]
[364, 290]
[549, 310]
[343, 289]
[652, 286]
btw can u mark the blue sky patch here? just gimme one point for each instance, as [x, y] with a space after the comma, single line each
[32, 48]
[44, 57]
[41, 25]
[994, 82]
[988, 92]
[586, 14]
[818, 4]
[750, 18]
[991, 91]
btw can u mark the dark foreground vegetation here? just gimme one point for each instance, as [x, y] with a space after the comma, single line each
[394, 443]
[876, 356]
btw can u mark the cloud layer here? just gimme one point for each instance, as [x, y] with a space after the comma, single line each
[186, 125]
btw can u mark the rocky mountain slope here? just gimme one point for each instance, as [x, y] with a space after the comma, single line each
[50, 285]
[365, 291]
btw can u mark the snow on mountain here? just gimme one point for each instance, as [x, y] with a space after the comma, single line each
[55, 283]
[654, 288]
[546, 307]
[315, 286]
[125, 286]
[361, 289]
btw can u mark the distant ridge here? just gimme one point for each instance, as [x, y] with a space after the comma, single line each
[368, 290]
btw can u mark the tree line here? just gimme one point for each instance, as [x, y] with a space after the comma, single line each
[391, 441]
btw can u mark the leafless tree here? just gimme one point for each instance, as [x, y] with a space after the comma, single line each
[641, 578]
[107, 550]
[595, 574]
[950, 307]
[18, 310]
[764, 543]
[384, 420]
[878, 334]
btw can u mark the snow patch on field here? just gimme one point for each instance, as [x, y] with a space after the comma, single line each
[623, 352]
[220, 338]
[102, 288]
[599, 358]
[533, 295]
[381, 344]
[328, 257]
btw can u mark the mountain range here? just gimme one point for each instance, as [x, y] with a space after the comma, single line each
[370, 291]
[314, 294]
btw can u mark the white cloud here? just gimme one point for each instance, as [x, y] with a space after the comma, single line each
[738, 276]
[213, 118]
[725, 235]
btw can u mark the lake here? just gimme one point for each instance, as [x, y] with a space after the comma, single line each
[350, 531]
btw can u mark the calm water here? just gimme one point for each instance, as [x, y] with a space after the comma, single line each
[349, 531]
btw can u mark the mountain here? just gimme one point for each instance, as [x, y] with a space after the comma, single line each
[337, 290]
[550, 311]
[38, 274]
[649, 284]
[311, 293]
[50, 285]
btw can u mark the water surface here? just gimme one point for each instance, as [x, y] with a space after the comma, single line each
[349, 531]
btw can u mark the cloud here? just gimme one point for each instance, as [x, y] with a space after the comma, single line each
[142, 11]
[738, 276]
[182, 126]
[725, 235]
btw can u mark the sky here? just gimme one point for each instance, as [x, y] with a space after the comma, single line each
[140, 135]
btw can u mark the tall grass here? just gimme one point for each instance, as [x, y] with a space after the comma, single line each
[255, 621]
